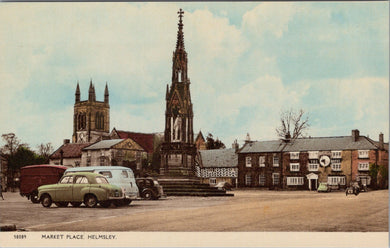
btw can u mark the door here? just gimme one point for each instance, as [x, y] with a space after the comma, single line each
[313, 184]
[79, 183]
[64, 189]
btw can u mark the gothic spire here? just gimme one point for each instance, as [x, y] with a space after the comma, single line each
[91, 92]
[180, 34]
[106, 94]
[179, 68]
[77, 94]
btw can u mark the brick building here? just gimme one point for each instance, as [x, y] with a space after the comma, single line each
[304, 162]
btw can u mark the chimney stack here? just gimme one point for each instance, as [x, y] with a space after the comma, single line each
[247, 139]
[381, 143]
[235, 145]
[66, 141]
[355, 135]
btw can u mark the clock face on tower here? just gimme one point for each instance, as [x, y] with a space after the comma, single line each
[81, 137]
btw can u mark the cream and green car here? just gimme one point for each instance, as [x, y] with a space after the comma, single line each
[80, 187]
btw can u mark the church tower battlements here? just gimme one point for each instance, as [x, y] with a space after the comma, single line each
[178, 150]
[91, 120]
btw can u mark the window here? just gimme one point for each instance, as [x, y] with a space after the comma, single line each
[336, 166]
[294, 167]
[101, 180]
[363, 166]
[336, 154]
[212, 181]
[295, 181]
[275, 178]
[313, 155]
[276, 161]
[313, 166]
[81, 180]
[124, 174]
[248, 161]
[294, 155]
[261, 180]
[248, 179]
[262, 161]
[103, 160]
[106, 173]
[68, 179]
[334, 180]
[363, 153]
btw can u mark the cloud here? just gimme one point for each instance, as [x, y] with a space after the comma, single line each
[246, 63]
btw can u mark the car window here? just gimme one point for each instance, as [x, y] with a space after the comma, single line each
[124, 174]
[68, 179]
[148, 183]
[106, 173]
[101, 180]
[81, 180]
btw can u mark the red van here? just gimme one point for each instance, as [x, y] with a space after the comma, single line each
[33, 176]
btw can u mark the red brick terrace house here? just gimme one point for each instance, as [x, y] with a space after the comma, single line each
[69, 154]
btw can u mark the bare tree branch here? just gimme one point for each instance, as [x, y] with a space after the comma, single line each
[295, 120]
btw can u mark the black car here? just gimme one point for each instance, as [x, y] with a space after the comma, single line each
[149, 188]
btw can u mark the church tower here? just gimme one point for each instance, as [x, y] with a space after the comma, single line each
[91, 120]
[178, 150]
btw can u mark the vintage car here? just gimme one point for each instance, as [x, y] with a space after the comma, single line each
[80, 187]
[354, 188]
[149, 188]
[223, 186]
[323, 187]
[120, 176]
[33, 176]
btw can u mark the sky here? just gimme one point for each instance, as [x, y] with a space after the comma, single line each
[247, 63]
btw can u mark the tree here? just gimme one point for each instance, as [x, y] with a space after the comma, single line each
[213, 144]
[12, 143]
[293, 124]
[44, 150]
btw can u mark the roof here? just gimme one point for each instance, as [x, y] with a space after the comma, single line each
[200, 136]
[263, 146]
[44, 166]
[92, 168]
[145, 140]
[104, 144]
[309, 144]
[329, 143]
[71, 150]
[219, 158]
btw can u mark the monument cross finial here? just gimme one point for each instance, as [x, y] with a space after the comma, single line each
[180, 12]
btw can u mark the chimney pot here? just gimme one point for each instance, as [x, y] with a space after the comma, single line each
[66, 141]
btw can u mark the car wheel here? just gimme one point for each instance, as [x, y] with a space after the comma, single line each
[90, 201]
[61, 204]
[46, 201]
[34, 198]
[105, 204]
[147, 194]
[75, 204]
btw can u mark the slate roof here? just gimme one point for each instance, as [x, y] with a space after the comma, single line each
[263, 146]
[71, 150]
[104, 144]
[310, 144]
[219, 158]
[329, 143]
[145, 140]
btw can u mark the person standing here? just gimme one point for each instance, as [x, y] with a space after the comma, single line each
[1, 189]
